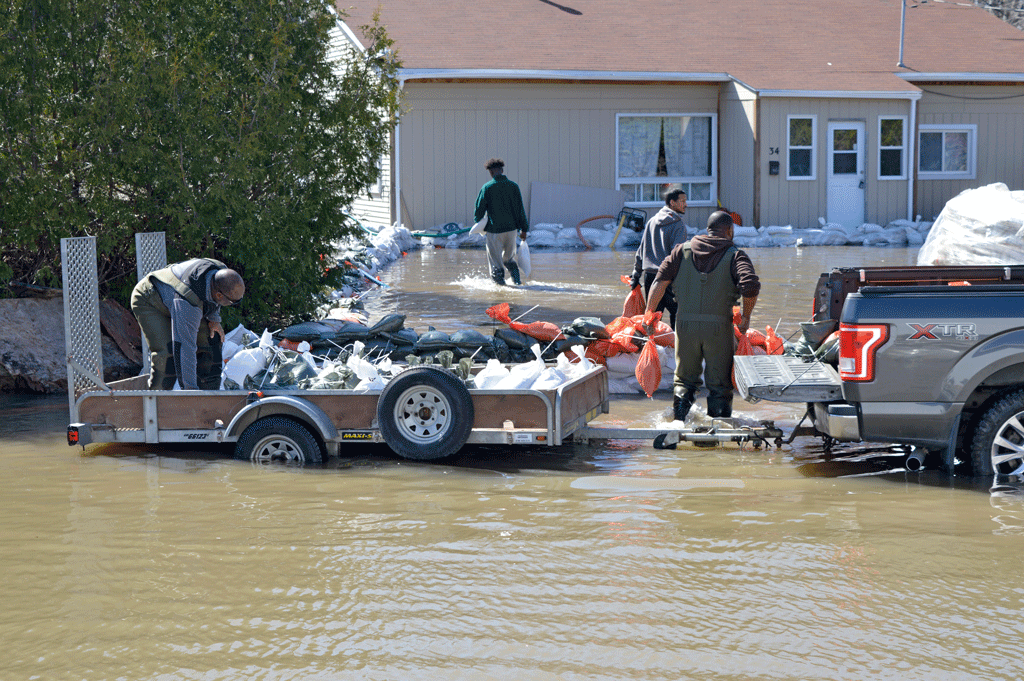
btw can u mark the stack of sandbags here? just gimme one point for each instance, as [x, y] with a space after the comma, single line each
[983, 226]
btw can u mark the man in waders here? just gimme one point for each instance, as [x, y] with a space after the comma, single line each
[178, 308]
[708, 275]
[502, 201]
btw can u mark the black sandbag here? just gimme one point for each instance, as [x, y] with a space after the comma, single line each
[469, 339]
[500, 350]
[307, 331]
[515, 340]
[434, 341]
[376, 348]
[401, 337]
[587, 327]
[392, 323]
[348, 332]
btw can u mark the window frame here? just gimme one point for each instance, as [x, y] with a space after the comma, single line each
[972, 151]
[903, 149]
[813, 148]
[685, 181]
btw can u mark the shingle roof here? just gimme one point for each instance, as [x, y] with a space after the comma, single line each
[791, 45]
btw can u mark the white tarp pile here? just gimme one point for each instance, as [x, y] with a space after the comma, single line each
[982, 226]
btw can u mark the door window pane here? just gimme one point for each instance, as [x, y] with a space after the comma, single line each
[844, 164]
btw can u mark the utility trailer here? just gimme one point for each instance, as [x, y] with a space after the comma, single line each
[423, 413]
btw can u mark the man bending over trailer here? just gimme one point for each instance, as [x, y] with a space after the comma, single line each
[178, 308]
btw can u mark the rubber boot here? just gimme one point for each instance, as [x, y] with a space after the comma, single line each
[513, 269]
[681, 405]
[498, 275]
[719, 407]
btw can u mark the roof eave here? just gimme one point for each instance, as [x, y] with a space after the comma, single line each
[962, 77]
[843, 94]
[543, 74]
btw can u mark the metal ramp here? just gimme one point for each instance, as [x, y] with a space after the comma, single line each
[779, 378]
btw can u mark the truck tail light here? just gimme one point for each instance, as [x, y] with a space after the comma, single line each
[858, 344]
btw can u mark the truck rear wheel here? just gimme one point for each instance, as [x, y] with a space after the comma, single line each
[278, 438]
[998, 443]
[425, 413]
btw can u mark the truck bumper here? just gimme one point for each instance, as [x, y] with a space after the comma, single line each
[837, 420]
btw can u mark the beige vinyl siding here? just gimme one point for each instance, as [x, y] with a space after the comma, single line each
[998, 113]
[801, 202]
[561, 133]
[737, 158]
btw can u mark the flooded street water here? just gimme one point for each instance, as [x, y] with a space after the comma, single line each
[611, 560]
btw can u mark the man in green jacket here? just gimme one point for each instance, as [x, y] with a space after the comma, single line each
[501, 200]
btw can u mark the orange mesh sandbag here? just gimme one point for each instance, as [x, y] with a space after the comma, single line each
[756, 338]
[624, 339]
[743, 346]
[663, 335]
[618, 324]
[648, 369]
[773, 343]
[634, 303]
[545, 331]
[737, 315]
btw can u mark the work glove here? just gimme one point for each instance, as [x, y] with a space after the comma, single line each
[634, 281]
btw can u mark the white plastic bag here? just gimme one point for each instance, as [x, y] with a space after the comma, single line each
[523, 259]
[244, 363]
[478, 228]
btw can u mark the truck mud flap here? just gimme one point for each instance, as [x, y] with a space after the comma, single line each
[778, 378]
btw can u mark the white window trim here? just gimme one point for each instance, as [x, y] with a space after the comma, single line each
[903, 149]
[813, 147]
[972, 152]
[711, 179]
[376, 189]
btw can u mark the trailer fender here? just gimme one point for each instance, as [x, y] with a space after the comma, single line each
[286, 405]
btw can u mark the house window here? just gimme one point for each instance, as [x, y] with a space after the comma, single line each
[946, 152]
[892, 144]
[802, 147]
[658, 152]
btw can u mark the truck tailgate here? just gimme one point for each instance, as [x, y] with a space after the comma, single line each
[779, 378]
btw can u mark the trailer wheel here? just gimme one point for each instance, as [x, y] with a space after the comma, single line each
[998, 442]
[425, 413]
[278, 438]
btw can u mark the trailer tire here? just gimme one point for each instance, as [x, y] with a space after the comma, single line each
[998, 442]
[425, 413]
[278, 438]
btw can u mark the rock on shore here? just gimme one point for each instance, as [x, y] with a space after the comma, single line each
[32, 356]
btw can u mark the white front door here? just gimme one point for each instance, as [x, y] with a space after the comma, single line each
[846, 173]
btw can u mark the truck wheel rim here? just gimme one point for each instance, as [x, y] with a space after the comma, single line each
[1008, 447]
[423, 414]
[277, 448]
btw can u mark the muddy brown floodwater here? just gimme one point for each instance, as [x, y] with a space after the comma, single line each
[608, 561]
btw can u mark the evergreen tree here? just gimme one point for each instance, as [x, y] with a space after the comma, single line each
[221, 122]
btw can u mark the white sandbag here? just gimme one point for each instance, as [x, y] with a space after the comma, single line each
[596, 236]
[740, 230]
[541, 239]
[889, 237]
[622, 365]
[244, 363]
[745, 241]
[833, 237]
[522, 258]
[520, 377]
[982, 226]
[550, 227]
[779, 229]
[549, 379]
[785, 239]
[832, 226]
[237, 335]
[568, 237]
[478, 228]
[488, 377]
[228, 350]
[627, 239]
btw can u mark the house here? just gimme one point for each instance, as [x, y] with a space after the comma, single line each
[782, 110]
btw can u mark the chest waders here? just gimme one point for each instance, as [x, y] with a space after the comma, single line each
[155, 322]
[704, 334]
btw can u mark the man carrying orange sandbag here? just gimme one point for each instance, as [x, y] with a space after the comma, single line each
[661, 234]
[708, 275]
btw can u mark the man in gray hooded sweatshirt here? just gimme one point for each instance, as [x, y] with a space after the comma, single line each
[662, 233]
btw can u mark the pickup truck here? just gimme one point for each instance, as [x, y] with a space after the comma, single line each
[929, 357]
